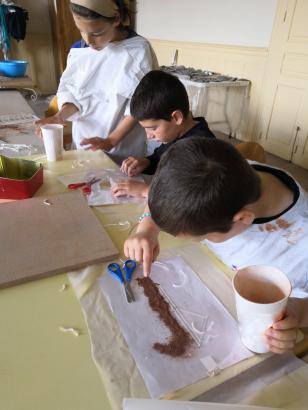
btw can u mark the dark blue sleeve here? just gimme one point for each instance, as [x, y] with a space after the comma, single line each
[154, 159]
[79, 44]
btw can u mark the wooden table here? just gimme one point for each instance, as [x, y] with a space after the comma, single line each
[41, 367]
[19, 83]
[16, 82]
[12, 102]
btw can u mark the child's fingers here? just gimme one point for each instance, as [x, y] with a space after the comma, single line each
[143, 255]
[277, 350]
[131, 166]
[123, 168]
[120, 192]
[280, 345]
[94, 141]
[132, 169]
[280, 316]
[114, 189]
[156, 252]
[120, 189]
[126, 250]
[125, 164]
[85, 141]
[289, 322]
[281, 341]
[147, 259]
[281, 335]
[116, 186]
[138, 252]
[132, 172]
[38, 132]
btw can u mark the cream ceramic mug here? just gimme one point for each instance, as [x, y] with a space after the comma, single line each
[261, 295]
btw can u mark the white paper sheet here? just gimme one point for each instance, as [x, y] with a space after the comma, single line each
[208, 321]
[101, 195]
[141, 404]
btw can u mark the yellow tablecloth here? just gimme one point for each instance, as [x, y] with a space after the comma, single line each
[43, 368]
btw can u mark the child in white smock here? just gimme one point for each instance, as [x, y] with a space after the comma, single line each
[97, 84]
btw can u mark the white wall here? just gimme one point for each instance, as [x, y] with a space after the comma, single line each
[234, 22]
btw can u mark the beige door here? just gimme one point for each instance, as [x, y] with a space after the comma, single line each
[283, 123]
[64, 33]
[300, 151]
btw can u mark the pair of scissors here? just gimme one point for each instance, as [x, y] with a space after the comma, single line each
[124, 276]
[86, 186]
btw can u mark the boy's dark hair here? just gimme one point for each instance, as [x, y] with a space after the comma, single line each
[81, 11]
[199, 186]
[157, 95]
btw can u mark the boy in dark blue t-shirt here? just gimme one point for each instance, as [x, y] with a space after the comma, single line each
[160, 104]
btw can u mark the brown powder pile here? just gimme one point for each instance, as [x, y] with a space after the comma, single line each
[180, 340]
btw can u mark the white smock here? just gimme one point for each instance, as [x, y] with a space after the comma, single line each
[100, 84]
[282, 243]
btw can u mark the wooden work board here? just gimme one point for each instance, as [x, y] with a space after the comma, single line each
[38, 239]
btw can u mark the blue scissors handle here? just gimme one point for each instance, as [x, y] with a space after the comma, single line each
[129, 267]
[115, 270]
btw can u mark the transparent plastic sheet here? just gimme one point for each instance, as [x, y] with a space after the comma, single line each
[101, 190]
[18, 136]
[17, 124]
[20, 149]
[211, 327]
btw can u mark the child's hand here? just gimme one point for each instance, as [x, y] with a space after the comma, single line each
[130, 188]
[96, 143]
[132, 166]
[281, 337]
[143, 247]
[55, 119]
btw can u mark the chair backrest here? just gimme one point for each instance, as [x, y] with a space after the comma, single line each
[53, 107]
[252, 151]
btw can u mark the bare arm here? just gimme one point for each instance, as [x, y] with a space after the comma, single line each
[298, 307]
[106, 144]
[66, 111]
[60, 117]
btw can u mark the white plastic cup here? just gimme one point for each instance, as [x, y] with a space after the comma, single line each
[53, 141]
[261, 296]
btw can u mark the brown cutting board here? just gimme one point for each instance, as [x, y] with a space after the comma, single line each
[38, 240]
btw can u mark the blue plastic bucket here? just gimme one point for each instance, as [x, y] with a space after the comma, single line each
[13, 68]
